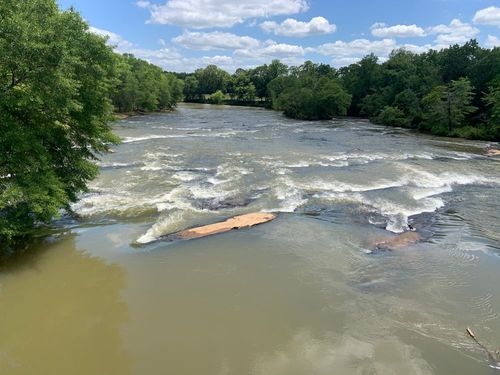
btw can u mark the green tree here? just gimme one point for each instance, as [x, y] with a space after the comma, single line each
[143, 86]
[244, 89]
[262, 75]
[310, 98]
[456, 61]
[191, 88]
[446, 108]
[393, 117]
[409, 103]
[492, 100]
[361, 79]
[211, 79]
[217, 97]
[55, 83]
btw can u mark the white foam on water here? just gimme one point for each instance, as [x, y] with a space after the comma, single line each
[149, 137]
[185, 176]
[216, 181]
[171, 223]
[207, 191]
[152, 167]
[421, 178]
[421, 186]
[365, 158]
[279, 164]
[115, 165]
[207, 134]
[397, 214]
[106, 203]
[123, 202]
[288, 194]
[228, 169]
[161, 160]
[343, 187]
[420, 193]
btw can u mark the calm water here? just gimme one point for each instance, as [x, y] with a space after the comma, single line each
[300, 295]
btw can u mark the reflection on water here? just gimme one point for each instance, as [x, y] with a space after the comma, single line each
[299, 295]
[62, 313]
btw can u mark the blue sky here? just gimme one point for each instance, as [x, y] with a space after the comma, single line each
[182, 35]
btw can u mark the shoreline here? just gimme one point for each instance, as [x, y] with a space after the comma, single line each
[490, 150]
[117, 116]
[266, 105]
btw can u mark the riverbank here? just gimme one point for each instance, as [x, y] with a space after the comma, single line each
[238, 103]
[117, 116]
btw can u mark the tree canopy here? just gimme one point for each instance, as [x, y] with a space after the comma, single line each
[144, 87]
[57, 80]
[310, 92]
[453, 92]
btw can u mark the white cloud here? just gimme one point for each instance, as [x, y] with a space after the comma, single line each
[243, 46]
[488, 16]
[492, 41]
[417, 49]
[163, 57]
[219, 13]
[381, 30]
[215, 41]
[143, 4]
[358, 47]
[271, 49]
[345, 61]
[281, 50]
[248, 52]
[293, 28]
[346, 53]
[457, 32]
[115, 40]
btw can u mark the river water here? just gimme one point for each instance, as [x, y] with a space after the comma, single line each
[107, 293]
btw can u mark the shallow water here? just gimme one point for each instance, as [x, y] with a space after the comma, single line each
[106, 294]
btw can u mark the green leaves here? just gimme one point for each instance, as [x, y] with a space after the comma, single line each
[143, 87]
[312, 92]
[393, 117]
[492, 100]
[446, 107]
[55, 82]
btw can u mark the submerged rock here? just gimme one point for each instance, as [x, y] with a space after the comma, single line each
[493, 152]
[215, 204]
[395, 241]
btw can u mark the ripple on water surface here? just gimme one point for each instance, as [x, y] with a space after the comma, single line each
[302, 294]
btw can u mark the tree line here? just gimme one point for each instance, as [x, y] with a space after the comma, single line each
[451, 92]
[59, 87]
[143, 87]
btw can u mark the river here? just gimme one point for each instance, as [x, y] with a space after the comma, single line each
[107, 293]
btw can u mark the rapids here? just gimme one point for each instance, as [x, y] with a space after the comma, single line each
[108, 293]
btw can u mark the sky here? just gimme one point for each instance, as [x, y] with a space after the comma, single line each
[183, 35]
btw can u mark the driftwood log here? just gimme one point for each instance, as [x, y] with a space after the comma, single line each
[236, 222]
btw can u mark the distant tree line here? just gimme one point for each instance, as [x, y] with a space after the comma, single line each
[59, 86]
[452, 92]
[213, 84]
[144, 87]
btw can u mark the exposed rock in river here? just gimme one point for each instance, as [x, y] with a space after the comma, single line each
[237, 222]
[493, 152]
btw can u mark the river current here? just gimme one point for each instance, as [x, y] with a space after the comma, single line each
[107, 292]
